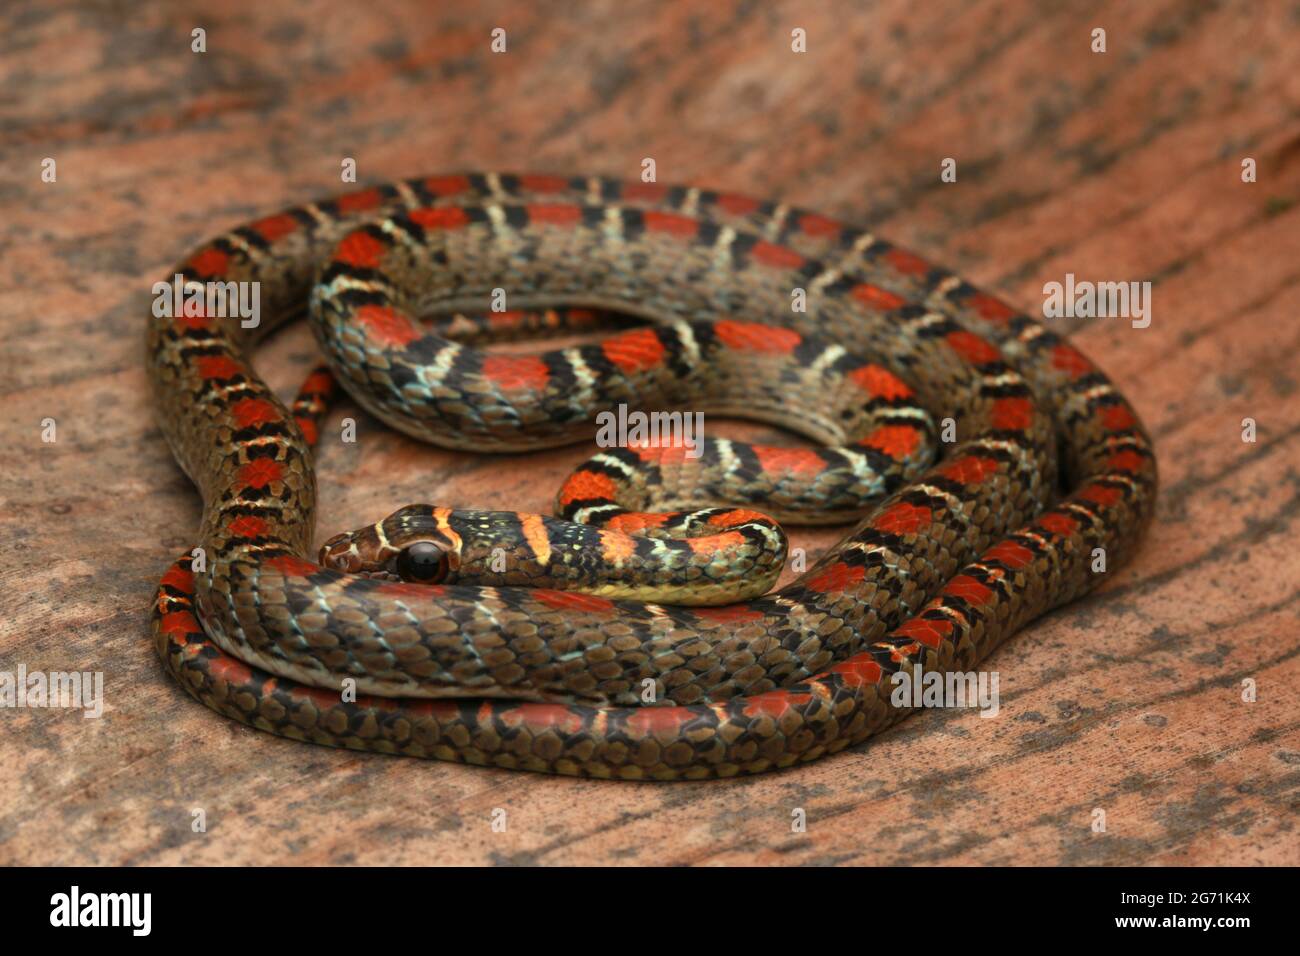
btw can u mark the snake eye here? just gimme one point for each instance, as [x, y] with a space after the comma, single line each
[422, 562]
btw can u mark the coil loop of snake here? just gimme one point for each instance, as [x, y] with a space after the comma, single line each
[957, 556]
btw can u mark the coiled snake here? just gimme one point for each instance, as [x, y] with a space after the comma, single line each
[951, 562]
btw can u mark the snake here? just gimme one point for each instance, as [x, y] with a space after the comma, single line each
[577, 653]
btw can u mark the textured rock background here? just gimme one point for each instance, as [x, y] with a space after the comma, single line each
[1117, 166]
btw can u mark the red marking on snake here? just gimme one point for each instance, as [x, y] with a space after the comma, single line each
[209, 262]
[1117, 418]
[728, 614]
[323, 699]
[896, 441]
[247, 526]
[1012, 414]
[1070, 360]
[1058, 523]
[879, 382]
[543, 184]
[904, 652]
[1129, 461]
[648, 191]
[774, 703]
[359, 202]
[1013, 554]
[542, 716]
[903, 518]
[180, 622]
[571, 600]
[505, 320]
[447, 185]
[509, 372]
[729, 519]
[968, 589]
[254, 411]
[360, 249]
[835, 579]
[439, 217]
[194, 322]
[635, 521]
[684, 227]
[713, 543]
[994, 310]
[555, 215]
[318, 383]
[1101, 494]
[875, 297]
[179, 578]
[778, 460]
[294, 566]
[777, 257]
[230, 670]
[907, 263]
[273, 228]
[737, 205]
[659, 454]
[756, 337]
[648, 721]
[586, 485]
[389, 704]
[218, 366]
[819, 226]
[437, 709]
[634, 351]
[924, 631]
[386, 326]
[260, 472]
[972, 348]
[969, 469]
[308, 429]
[860, 670]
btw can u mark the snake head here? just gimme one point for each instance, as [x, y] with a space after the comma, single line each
[413, 544]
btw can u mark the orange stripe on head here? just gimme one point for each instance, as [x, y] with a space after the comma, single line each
[534, 528]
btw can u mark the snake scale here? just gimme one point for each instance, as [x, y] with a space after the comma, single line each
[1048, 464]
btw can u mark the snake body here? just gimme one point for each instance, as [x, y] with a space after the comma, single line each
[943, 570]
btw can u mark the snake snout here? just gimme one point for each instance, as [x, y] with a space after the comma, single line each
[340, 553]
